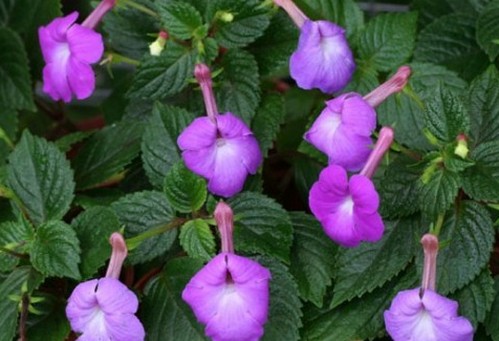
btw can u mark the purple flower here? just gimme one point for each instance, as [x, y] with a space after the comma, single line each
[323, 58]
[428, 318]
[230, 295]
[224, 152]
[347, 209]
[103, 309]
[68, 50]
[343, 129]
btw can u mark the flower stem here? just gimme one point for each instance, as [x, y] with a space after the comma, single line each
[134, 242]
[384, 142]
[139, 7]
[393, 85]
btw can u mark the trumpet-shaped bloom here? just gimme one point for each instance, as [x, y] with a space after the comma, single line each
[343, 129]
[68, 50]
[347, 209]
[104, 309]
[428, 318]
[323, 58]
[230, 295]
[224, 152]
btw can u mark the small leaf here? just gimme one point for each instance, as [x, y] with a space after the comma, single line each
[66, 142]
[93, 228]
[179, 18]
[439, 193]
[56, 251]
[164, 314]
[159, 141]
[160, 76]
[13, 236]
[487, 29]
[268, 120]
[185, 191]
[388, 40]
[144, 211]
[261, 225]
[312, 258]
[481, 182]
[41, 177]
[239, 91]
[362, 269]
[107, 153]
[197, 239]
[249, 22]
[492, 322]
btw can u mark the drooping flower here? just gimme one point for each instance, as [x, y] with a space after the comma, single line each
[230, 294]
[421, 314]
[104, 309]
[219, 147]
[348, 208]
[323, 58]
[343, 129]
[68, 50]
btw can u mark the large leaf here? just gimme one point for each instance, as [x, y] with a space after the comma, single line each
[164, 314]
[388, 40]
[481, 182]
[160, 76]
[93, 228]
[429, 10]
[484, 99]
[268, 120]
[239, 90]
[249, 22]
[13, 237]
[107, 153]
[439, 193]
[261, 225]
[8, 124]
[450, 40]
[55, 250]
[185, 190]
[197, 239]
[492, 322]
[141, 212]
[40, 176]
[312, 258]
[159, 142]
[15, 82]
[179, 18]
[362, 269]
[487, 29]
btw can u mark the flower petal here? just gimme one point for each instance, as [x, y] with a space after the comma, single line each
[85, 44]
[81, 305]
[329, 192]
[357, 114]
[201, 133]
[114, 297]
[81, 78]
[364, 194]
[124, 327]
[340, 227]
[349, 149]
[369, 226]
[55, 81]
[201, 162]
[59, 26]
[231, 126]
[321, 133]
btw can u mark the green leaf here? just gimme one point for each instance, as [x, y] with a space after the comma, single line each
[267, 122]
[160, 76]
[261, 225]
[399, 188]
[250, 21]
[388, 40]
[470, 236]
[492, 322]
[41, 177]
[13, 237]
[476, 298]
[141, 212]
[15, 82]
[54, 327]
[107, 153]
[481, 182]
[159, 141]
[446, 116]
[273, 49]
[284, 319]
[239, 91]
[306, 172]
[56, 251]
[164, 314]
[197, 239]
[484, 99]
[450, 41]
[312, 258]
[439, 193]
[185, 191]
[487, 29]
[179, 18]
[362, 269]
[430, 10]
[405, 111]
[93, 228]
[362, 318]
[364, 79]
[66, 142]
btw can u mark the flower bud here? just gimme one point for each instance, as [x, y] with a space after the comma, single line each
[461, 149]
[156, 47]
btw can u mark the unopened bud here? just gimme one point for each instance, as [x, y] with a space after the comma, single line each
[461, 149]
[159, 44]
[225, 16]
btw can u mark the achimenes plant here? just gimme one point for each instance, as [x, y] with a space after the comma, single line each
[230, 202]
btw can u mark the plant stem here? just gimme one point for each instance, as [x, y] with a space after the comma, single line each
[134, 242]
